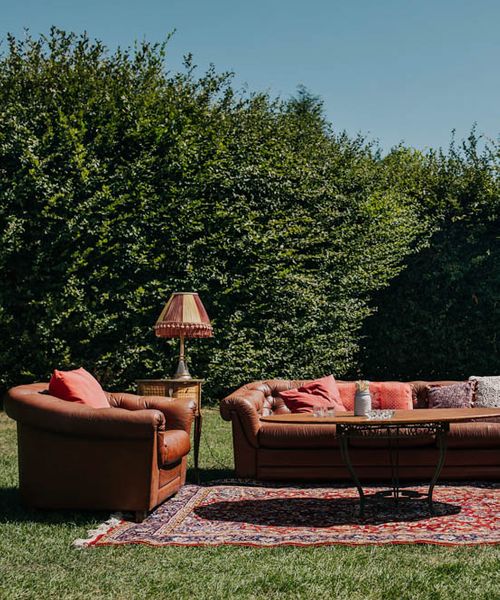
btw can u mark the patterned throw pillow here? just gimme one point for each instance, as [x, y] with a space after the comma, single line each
[457, 395]
[487, 391]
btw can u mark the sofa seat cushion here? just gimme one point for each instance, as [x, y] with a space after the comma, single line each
[474, 435]
[176, 445]
[289, 435]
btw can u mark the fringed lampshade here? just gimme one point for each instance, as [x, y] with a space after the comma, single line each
[183, 316]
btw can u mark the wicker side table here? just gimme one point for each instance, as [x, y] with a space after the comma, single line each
[178, 388]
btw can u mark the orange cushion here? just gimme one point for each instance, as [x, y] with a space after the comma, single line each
[385, 395]
[78, 386]
[391, 395]
[347, 392]
[320, 393]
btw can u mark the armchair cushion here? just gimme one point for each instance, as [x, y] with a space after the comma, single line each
[78, 386]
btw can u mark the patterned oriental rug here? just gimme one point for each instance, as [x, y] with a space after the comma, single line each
[250, 514]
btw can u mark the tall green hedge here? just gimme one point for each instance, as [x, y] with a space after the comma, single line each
[121, 182]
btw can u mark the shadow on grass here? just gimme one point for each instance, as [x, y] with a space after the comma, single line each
[12, 511]
[322, 512]
[209, 475]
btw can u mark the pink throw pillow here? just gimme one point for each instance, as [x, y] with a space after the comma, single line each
[78, 386]
[320, 393]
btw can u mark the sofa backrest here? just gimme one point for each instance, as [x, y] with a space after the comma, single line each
[266, 398]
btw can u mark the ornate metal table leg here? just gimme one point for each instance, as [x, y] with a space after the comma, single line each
[394, 462]
[441, 438]
[343, 437]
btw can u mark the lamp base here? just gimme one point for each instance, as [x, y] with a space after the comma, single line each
[182, 371]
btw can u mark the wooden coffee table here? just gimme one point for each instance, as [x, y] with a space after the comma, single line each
[418, 422]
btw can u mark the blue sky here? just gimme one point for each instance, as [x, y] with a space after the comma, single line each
[405, 70]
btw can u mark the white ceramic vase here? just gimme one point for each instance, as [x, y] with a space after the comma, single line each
[362, 403]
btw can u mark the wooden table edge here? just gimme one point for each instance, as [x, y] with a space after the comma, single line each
[400, 417]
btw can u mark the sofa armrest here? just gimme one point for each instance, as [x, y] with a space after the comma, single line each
[39, 410]
[247, 406]
[178, 412]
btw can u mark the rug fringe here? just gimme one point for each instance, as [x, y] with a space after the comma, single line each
[94, 534]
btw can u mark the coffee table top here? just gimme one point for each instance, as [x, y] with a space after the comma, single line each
[404, 417]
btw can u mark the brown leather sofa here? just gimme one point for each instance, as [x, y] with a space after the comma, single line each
[286, 451]
[129, 457]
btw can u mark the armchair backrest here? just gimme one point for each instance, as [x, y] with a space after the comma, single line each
[31, 405]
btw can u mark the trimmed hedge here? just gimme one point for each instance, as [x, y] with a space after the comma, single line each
[121, 182]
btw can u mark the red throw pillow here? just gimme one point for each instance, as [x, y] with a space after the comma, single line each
[78, 386]
[320, 393]
[384, 394]
[391, 395]
[347, 393]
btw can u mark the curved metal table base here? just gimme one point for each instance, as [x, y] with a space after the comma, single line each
[392, 432]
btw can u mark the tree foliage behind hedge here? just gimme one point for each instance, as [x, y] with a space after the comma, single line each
[440, 318]
[121, 182]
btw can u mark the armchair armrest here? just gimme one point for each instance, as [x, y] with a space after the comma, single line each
[29, 406]
[175, 444]
[178, 412]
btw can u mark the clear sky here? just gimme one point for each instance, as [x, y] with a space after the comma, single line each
[395, 70]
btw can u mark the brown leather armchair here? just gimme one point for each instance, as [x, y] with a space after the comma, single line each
[129, 457]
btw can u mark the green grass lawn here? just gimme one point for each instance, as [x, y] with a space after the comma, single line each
[37, 559]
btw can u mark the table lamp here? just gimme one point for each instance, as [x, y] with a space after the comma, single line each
[183, 316]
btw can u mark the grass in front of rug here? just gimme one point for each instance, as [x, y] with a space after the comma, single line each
[37, 559]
